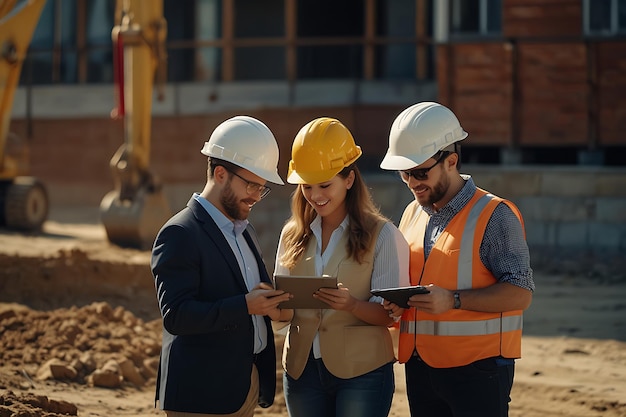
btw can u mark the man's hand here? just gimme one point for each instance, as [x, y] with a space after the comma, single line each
[263, 300]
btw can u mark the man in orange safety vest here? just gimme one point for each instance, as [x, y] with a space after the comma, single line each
[458, 342]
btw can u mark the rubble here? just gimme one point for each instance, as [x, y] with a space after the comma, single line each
[95, 344]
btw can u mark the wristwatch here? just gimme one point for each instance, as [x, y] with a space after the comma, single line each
[457, 300]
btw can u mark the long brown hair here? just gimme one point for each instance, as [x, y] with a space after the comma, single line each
[364, 215]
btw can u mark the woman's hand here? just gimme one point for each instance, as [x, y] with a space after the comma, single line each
[394, 311]
[337, 298]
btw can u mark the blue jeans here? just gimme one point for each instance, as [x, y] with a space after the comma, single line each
[480, 389]
[318, 393]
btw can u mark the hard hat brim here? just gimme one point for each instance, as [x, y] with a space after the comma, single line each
[269, 176]
[312, 177]
[400, 163]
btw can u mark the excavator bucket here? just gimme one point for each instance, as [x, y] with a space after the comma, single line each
[134, 223]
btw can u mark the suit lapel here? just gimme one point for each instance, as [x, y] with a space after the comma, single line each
[222, 245]
[250, 235]
[215, 234]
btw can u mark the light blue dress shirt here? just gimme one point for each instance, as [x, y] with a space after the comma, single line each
[233, 232]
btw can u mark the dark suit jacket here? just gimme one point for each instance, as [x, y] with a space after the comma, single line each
[208, 336]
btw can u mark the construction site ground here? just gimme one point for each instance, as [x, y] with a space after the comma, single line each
[69, 297]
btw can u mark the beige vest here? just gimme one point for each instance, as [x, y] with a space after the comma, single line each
[350, 347]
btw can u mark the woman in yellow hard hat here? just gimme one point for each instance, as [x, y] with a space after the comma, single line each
[338, 361]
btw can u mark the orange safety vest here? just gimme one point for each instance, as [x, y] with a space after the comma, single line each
[456, 337]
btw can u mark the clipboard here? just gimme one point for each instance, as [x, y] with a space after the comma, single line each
[400, 296]
[302, 288]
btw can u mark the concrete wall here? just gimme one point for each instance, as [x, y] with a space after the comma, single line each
[569, 212]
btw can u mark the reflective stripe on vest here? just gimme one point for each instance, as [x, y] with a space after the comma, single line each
[465, 265]
[462, 328]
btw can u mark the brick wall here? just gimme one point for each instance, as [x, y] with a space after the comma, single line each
[554, 94]
[542, 85]
[476, 82]
[73, 154]
[609, 78]
[541, 18]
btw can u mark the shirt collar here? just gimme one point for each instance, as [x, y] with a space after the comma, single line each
[234, 227]
[458, 201]
[316, 225]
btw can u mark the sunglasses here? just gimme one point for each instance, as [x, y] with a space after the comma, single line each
[252, 187]
[421, 174]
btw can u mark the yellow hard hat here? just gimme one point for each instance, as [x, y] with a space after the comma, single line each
[321, 149]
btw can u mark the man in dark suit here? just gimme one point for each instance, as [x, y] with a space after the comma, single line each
[214, 293]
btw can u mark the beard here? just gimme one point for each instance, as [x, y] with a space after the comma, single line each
[231, 204]
[437, 192]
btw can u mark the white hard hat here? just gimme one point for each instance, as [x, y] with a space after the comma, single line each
[418, 133]
[248, 143]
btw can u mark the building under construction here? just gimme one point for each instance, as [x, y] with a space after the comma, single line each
[537, 84]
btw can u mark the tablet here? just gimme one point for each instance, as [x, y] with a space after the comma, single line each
[400, 296]
[302, 289]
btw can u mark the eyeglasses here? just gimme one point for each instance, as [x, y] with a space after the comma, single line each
[421, 174]
[252, 187]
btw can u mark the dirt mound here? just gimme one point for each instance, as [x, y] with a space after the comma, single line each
[94, 345]
[75, 277]
[34, 405]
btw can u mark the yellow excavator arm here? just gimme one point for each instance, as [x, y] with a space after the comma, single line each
[23, 199]
[16, 32]
[134, 211]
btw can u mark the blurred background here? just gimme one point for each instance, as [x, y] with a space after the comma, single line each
[539, 85]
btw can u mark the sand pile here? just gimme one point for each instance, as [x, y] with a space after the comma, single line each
[95, 345]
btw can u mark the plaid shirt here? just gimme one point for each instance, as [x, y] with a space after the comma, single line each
[503, 250]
